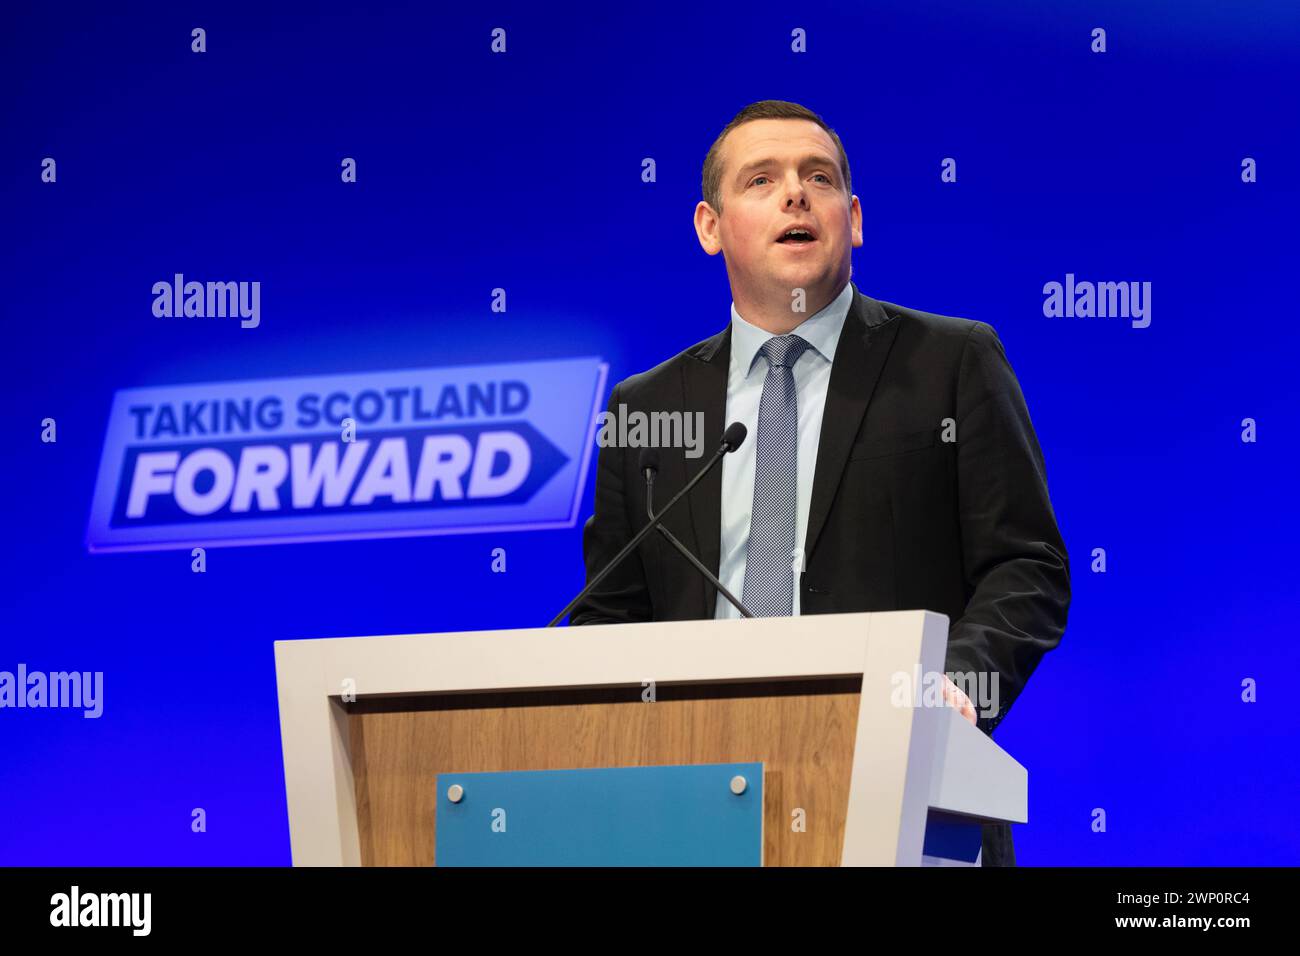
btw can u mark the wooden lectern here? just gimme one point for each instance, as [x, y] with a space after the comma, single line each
[829, 704]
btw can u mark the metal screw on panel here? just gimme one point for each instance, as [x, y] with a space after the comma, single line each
[455, 792]
[738, 784]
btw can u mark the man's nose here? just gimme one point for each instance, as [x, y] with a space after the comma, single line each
[794, 192]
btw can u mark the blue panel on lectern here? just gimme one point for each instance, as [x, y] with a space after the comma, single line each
[950, 837]
[620, 816]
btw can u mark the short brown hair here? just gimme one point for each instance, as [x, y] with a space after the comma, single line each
[711, 181]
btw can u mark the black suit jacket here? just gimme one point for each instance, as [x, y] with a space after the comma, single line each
[900, 519]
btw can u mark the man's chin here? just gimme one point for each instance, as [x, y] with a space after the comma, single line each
[804, 276]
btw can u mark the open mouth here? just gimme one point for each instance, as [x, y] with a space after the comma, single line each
[797, 237]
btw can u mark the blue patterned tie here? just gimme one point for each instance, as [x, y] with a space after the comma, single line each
[769, 556]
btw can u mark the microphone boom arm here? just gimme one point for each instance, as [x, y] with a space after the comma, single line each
[731, 439]
[686, 553]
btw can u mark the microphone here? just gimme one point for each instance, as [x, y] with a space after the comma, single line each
[731, 440]
[649, 465]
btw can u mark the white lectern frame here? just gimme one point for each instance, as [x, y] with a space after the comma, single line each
[907, 759]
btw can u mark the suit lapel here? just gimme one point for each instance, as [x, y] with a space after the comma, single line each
[705, 386]
[869, 331]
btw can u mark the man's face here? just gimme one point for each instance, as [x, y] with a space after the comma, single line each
[778, 174]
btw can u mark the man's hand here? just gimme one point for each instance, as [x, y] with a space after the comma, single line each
[956, 697]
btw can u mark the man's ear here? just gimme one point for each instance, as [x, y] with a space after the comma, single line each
[707, 229]
[855, 221]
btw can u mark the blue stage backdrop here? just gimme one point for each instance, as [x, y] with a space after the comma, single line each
[1171, 158]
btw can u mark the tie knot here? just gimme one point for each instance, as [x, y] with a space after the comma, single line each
[784, 350]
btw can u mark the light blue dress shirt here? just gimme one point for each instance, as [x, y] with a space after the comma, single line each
[748, 371]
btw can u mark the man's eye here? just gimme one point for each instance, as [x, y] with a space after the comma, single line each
[756, 179]
[824, 176]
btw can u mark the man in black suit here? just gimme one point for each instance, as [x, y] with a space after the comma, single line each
[890, 464]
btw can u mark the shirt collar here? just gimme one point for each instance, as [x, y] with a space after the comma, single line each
[821, 331]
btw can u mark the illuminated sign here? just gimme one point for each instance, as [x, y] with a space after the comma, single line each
[378, 454]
